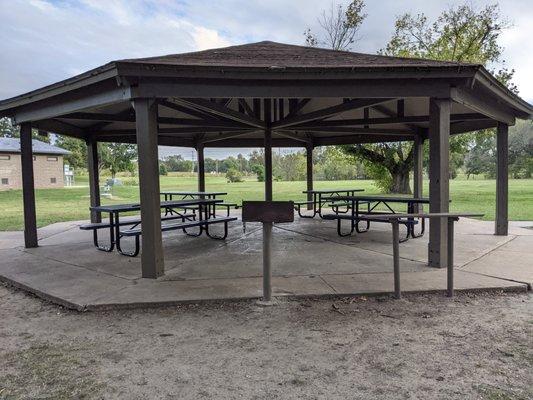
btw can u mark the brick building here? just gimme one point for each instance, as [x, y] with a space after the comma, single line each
[47, 164]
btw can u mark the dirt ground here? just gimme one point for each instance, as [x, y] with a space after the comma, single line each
[476, 346]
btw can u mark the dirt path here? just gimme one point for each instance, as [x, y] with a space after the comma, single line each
[422, 347]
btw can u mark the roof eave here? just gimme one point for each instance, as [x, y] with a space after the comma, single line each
[489, 82]
[95, 75]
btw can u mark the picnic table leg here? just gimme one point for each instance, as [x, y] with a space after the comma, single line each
[111, 237]
[396, 257]
[450, 257]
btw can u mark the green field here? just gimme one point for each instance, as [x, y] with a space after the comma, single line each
[55, 205]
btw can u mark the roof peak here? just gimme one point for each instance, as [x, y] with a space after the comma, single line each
[268, 53]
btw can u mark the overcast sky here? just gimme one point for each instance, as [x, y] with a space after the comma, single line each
[43, 41]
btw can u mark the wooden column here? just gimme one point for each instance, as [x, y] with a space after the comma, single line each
[201, 167]
[28, 186]
[502, 180]
[418, 169]
[439, 191]
[309, 153]
[94, 178]
[152, 260]
[268, 150]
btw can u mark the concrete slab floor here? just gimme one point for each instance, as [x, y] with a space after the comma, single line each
[309, 259]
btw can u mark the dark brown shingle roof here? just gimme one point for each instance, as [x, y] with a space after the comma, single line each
[271, 54]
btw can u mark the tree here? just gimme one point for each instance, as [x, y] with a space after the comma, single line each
[117, 157]
[7, 129]
[462, 34]
[521, 150]
[339, 25]
[77, 158]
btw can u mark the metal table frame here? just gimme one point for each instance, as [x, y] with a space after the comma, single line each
[319, 200]
[114, 210]
[168, 195]
[376, 201]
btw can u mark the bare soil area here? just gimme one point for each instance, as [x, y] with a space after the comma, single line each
[475, 346]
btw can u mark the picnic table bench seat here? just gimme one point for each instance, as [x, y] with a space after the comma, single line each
[95, 226]
[136, 232]
[368, 217]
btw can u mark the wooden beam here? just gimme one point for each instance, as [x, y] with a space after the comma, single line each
[28, 186]
[55, 108]
[309, 169]
[201, 167]
[418, 169]
[326, 112]
[186, 110]
[267, 106]
[200, 122]
[376, 131]
[303, 139]
[502, 180]
[489, 108]
[90, 116]
[224, 136]
[94, 179]
[220, 110]
[247, 109]
[390, 120]
[439, 170]
[295, 88]
[152, 259]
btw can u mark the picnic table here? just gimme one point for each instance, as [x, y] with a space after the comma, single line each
[114, 225]
[169, 195]
[319, 200]
[358, 215]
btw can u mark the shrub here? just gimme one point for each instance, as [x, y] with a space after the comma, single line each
[233, 175]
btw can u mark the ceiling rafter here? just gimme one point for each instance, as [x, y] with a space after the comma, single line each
[388, 120]
[327, 112]
[220, 110]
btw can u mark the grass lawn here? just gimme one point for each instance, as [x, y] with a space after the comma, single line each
[55, 205]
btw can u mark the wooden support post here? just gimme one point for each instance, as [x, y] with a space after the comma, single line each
[309, 153]
[396, 257]
[449, 290]
[267, 226]
[268, 150]
[94, 179]
[152, 260]
[418, 166]
[439, 190]
[28, 187]
[502, 180]
[201, 167]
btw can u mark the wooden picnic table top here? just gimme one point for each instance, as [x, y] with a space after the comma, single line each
[427, 215]
[137, 206]
[331, 191]
[193, 193]
[392, 199]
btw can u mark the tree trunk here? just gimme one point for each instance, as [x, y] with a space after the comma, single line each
[400, 181]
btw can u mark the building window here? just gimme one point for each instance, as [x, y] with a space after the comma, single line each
[5, 181]
[51, 158]
[52, 180]
[5, 157]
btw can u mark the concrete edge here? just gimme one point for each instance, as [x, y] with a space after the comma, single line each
[522, 287]
[42, 295]
[172, 303]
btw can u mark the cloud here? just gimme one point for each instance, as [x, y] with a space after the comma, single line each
[49, 40]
